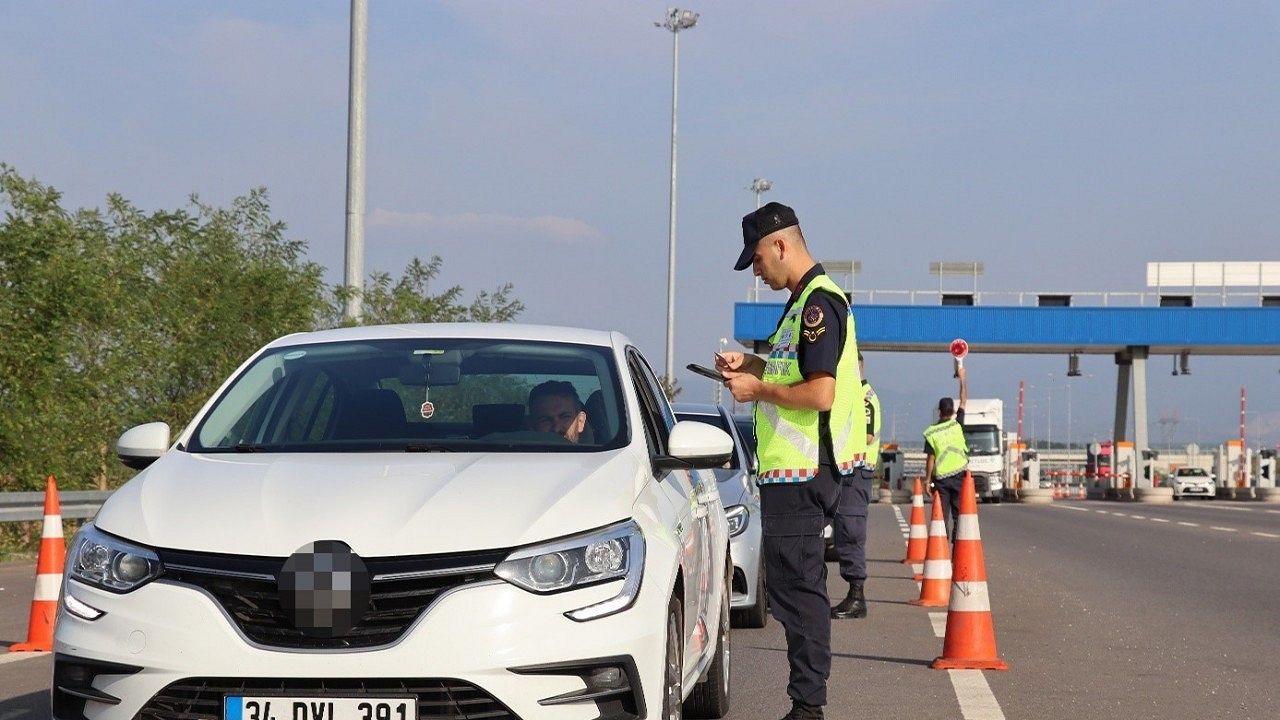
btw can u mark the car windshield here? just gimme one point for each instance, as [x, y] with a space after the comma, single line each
[420, 395]
[982, 439]
[714, 421]
[1192, 472]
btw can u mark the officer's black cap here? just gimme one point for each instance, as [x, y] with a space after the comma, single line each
[768, 219]
[947, 406]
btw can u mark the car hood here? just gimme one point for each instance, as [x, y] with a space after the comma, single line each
[382, 505]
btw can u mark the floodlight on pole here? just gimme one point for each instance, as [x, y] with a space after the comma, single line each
[675, 21]
[759, 186]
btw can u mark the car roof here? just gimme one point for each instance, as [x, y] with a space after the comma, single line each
[501, 331]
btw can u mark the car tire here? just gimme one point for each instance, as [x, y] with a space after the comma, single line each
[673, 663]
[756, 616]
[710, 698]
[994, 500]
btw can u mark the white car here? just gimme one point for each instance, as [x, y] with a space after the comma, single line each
[741, 499]
[1192, 482]
[373, 524]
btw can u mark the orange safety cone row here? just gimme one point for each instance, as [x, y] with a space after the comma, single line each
[935, 591]
[1081, 493]
[970, 641]
[49, 565]
[917, 540]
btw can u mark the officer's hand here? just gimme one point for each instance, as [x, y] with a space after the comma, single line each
[745, 387]
[730, 361]
[933, 487]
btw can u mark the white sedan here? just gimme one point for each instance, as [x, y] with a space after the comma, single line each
[1192, 482]
[404, 523]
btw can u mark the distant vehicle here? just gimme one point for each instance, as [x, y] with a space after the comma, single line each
[984, 433]
[741, 500]
[1097, 466]
[1192, 482]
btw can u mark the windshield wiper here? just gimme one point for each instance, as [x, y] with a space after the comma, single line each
[245, 447]
[421, 447]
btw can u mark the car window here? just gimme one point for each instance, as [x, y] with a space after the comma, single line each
[421, 394]
[656, 427]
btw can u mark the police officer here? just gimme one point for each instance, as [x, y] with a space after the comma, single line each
[850, 526]
[947, 453]
[809, 426]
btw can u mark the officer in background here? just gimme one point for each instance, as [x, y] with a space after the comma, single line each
[851, 514]
[809, 426]
[946, 452]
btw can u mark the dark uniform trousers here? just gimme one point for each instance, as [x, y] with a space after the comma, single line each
[794, 516]
[949, 490]
[850, 527]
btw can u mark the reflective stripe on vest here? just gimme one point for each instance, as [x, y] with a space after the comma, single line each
[872, 402]
[950, 451]
[789, 440]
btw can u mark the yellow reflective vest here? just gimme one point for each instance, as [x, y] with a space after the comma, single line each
[950, 451]
[789, 440]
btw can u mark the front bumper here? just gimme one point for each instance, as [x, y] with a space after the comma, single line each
[471, 637]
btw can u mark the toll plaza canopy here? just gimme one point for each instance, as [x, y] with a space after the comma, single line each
[1000, 329]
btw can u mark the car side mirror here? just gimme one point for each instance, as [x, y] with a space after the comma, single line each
[755, 464]
[697, 446]
[142, 445]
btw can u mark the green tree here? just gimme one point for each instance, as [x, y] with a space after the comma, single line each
[409, 300]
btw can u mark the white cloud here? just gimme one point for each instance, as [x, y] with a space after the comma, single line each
[547, 227]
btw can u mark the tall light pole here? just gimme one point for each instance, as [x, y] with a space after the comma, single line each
[676, 21]
[759, 186]
[354, 269]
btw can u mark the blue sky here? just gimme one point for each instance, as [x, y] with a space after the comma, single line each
[1063, 144]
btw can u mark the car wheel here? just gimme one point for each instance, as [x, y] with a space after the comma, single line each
[756, 616]
[673, 667]
[710, 698]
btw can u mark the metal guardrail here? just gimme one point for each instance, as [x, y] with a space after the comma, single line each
[75, 504]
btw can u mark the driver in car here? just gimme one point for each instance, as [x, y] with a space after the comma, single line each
[554, 407]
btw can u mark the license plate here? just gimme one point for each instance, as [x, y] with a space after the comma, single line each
[275, 707]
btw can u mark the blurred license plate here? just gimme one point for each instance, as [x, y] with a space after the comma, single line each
[274, 707]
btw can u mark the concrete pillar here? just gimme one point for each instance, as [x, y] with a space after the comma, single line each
[1139, 355]
[1123, 365]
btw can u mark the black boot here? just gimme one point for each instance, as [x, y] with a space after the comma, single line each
[800, 711]
[854, 604]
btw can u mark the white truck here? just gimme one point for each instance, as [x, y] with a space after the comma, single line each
[984, 433]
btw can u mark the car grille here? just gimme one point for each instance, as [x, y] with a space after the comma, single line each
[980, 483]
[402, 589]
[201, 698]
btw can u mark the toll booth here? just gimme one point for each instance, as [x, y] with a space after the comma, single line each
[892, 466]
[1233, 465]
[1012, 470]
[1029, 469]
[1264, 468]
[1147, 478]
[1124, 465]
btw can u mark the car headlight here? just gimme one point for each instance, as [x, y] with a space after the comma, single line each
[107, 562]
[613, 553]
[739, 517]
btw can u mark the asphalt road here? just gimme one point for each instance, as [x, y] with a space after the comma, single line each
[1102, 609]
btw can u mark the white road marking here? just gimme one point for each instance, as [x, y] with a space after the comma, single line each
[939, 620]
[1138, 517]
[1266, 535]
[1104, 512]
[1223, 529]
[1073, 507]
[19, 656]
[1158, 520]
[1273, 512]
[974, 694]
[1180, 522]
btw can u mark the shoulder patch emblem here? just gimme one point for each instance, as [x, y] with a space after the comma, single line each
[812, 316]
[813, 335]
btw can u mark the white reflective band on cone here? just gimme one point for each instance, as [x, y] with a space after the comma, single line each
[967, 528]
[917, 501]
[969, 596]
[917, 531]
[917, 568]
[937, 527]
[52, 527]
[937, 569]
[47, 587]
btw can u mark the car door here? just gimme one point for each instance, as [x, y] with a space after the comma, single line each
[682, 489]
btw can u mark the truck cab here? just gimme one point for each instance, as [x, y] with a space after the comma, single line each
[984, 434]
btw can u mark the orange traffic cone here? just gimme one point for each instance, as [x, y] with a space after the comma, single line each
[918, 539]
[49, 564]
[1081, 493]
[970, 642]
[935, 591]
